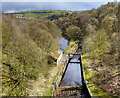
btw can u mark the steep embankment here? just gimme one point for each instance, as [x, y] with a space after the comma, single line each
[97, 30]
[26, 54]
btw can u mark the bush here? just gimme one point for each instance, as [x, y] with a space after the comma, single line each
[74, 32]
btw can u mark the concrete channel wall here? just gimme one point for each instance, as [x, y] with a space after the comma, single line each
[83, 76]
[63, 61]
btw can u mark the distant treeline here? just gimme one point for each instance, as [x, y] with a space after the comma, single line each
[32, 12]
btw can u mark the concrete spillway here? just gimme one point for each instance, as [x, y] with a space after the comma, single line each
[72, 76]
[72, 81]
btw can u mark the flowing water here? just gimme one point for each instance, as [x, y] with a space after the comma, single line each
[63, 43]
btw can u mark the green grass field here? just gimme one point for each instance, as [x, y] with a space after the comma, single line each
[41, 13]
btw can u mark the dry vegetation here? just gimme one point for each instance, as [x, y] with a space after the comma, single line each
[26, 54]
[28, 45]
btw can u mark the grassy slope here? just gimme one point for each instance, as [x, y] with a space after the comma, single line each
[95, 90]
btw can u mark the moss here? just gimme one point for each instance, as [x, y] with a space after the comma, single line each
[53, 79]
[88, 74]
[69, 48]
[48, 92]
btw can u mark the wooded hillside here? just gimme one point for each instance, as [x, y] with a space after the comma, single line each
[27, 46]
[97, 30]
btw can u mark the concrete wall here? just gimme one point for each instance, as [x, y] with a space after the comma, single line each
[63, 60]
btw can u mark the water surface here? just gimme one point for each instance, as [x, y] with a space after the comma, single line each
[72, 76]
[63, 43]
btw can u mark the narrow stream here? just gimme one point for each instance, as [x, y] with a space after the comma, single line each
[63, 43]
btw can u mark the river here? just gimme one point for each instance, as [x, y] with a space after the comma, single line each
[63, 43]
